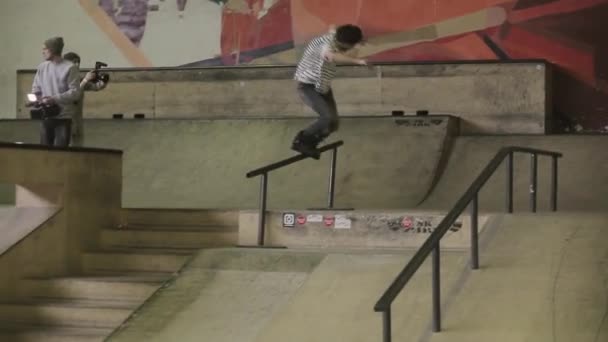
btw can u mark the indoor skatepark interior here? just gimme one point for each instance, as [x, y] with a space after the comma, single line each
[455, 207]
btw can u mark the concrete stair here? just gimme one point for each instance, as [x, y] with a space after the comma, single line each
[15, 332]
[163, 236]
[133, 261]
[68, 312]
[120, 287]
[180, 217]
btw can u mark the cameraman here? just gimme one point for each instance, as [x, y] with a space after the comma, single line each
[56, 87]
[91, 82]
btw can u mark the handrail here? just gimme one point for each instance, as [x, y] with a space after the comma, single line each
[290, 160]
[263, 171]
[469, 197]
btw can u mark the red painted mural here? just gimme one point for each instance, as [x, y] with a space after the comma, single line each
[571, 34]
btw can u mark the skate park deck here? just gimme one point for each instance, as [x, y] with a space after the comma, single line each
[542, 277]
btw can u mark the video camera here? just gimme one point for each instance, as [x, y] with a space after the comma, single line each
[98, 75]
[41, 111]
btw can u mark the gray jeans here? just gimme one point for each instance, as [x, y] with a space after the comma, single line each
[325, 106]
[55, 132]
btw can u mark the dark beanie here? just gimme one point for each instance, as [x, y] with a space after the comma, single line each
[55, 45]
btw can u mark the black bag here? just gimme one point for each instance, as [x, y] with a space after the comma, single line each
[45, 111]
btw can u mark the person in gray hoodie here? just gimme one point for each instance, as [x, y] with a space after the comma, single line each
[56, 83]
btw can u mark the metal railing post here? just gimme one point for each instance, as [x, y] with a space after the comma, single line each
[554, 184]
[533, 181]
[509, 189]
[469, 199]
[332, 178]
[386, 325]
[436, 290]
[475, 232]
[262, 213]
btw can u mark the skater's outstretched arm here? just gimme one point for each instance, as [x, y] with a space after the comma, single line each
[347, 57]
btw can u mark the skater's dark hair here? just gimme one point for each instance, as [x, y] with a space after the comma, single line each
[349, 34]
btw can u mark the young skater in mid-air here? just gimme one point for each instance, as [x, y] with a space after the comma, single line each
[314, 74]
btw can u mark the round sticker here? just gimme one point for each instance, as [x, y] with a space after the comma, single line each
[301, 219]
[328, 220]
[407, 222]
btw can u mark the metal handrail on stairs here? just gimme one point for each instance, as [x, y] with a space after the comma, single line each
[470, 197]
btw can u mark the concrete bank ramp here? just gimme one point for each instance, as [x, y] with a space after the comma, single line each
[249, 295]
[582, 182]
[543, 278]
[386, 162]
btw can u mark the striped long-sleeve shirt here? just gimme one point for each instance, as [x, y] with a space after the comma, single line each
[313, 68]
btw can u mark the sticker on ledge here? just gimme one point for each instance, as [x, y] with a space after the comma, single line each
[407, 223]
[342, 222]
[328, 221]
[314, 218]
[289, 220]
[301, 219]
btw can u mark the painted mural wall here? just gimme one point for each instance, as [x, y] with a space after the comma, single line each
[569, 33]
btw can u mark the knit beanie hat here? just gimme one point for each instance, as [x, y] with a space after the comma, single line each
[55, 45]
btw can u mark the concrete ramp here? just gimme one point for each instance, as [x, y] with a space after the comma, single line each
[582, 182]
[336, 302]
[386, 162]
[248, 295]
[542, 278]
[222, 295]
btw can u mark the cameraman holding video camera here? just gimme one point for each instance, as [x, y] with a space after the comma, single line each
[93, 81]
[56, 92]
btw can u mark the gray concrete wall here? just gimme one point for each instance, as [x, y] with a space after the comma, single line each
[494, 98]
[7, 194]
[385, 163]
[42, 253]
[84, 185]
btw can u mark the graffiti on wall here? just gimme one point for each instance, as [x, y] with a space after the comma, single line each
[567, 33]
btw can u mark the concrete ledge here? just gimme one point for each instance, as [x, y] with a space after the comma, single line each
[353, 229]
[25, 146]
[490, 98]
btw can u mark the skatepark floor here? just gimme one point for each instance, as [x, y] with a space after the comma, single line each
[542, 277]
